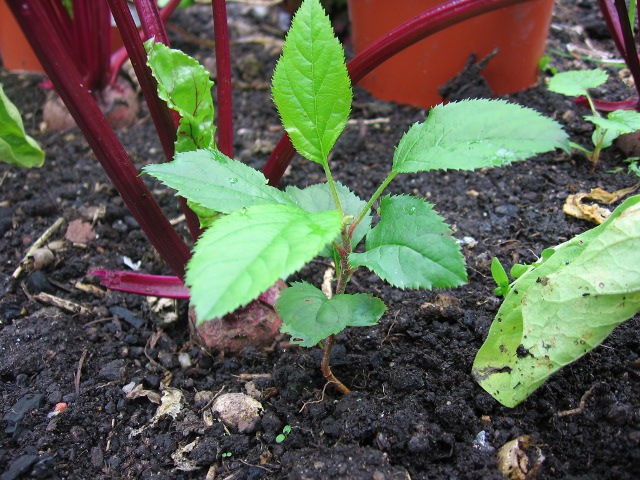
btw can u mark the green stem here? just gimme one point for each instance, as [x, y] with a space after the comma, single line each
[372, 200]
[332, 185]
[592, 106]
[600, 134]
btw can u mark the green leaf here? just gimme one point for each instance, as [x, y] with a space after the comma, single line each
[475, 134]
[244, 253]
[182, 4]
[500, 277]
[206, 216]
[186, 87]
[563, 308]
[317, 198]
[577, 82]
[311, 87]
[412, 247]
[310, 317]
[16, 147]
[617, 123]
[216, 182]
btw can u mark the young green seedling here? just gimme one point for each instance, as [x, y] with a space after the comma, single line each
[577, 83]
[286, 430]
[267, 234]
[500, 277]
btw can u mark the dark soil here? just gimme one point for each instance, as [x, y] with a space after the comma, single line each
[415, 411]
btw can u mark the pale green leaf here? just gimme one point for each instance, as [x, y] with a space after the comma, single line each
[216, 182]
[577, 82]
[412, 247]
[186, 87]
[311, 87]
[317, 198]
[617, 123]
[476, 133]
[244, 253]
[182, 4]
[563, 308]
[310, 317]
[206, 216]
[500, 277]
[16, 147]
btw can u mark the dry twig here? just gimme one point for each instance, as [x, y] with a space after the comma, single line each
[66, 305]
[76, 378]
[581, 405]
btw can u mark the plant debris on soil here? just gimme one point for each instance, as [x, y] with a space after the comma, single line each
[101, 384]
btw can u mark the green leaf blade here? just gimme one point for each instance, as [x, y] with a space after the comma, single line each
[244, 253]
[474, 134]
[318, 198]
[310, 317]
[186, 87]
[412, 247]
[311, 86]
[617, 123]
[577, 83]
[216, 182]
[16, 147]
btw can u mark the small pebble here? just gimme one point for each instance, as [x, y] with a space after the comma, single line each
[185, 360]
[238, 411]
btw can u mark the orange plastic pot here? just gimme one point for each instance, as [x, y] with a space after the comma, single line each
[15, 50]
[413, 76]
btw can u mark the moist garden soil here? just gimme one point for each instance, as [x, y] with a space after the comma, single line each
[415, 411]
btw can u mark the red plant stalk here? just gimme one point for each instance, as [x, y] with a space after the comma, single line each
[165, 120]
[120, 56]
[401, 37]
[223, 73]
[46, 42]
[141, 283]
[616, 17]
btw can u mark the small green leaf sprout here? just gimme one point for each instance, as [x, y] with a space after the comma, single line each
[545, 65]
[500, 277]
[286, 430]
[577, 83]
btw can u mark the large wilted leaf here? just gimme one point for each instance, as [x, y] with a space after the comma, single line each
[563, 307]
